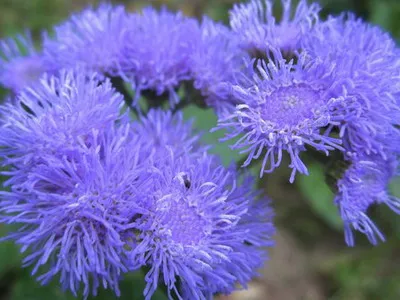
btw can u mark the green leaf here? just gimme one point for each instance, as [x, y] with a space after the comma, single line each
[386, 14]
[204, 121]
[394, 187]
[380, 12]
[132, 287]
[10, 257]
[319, 195]
[27, 288]
[389, 217]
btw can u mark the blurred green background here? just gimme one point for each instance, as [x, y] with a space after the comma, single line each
[310, 260]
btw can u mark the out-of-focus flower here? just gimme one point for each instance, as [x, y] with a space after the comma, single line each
[259, 30]
[20, 63]
[369, 60]
[214, 62]
[161, 130]
[91, 38]
[156, 50]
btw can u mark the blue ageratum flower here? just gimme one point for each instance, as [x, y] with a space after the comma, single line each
[202, 232]
[161, 130]
[75, 213]
[91, 38]
[214, 62]
[369, 60]
[286, 107]
[259, 30]
[20, 63]
[156, 50]
[363, 184]
[55, 116]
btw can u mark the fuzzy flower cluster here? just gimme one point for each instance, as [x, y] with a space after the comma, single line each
[331, 86]
[103, 180]
[97, 195]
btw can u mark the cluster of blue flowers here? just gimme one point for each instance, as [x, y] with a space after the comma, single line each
[98, 195]
[102, 180]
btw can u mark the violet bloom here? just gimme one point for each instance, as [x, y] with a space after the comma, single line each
[156, 49]
[55, 116]
[20, 63]
[259, 30]
[202, 234]
[286, 107]
[368, 59]
[75, 214]
[161, 130]
[214, 62]
[362, 185]
[91, 38]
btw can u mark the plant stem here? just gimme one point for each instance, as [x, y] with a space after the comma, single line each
[181, 105]
[119, 85]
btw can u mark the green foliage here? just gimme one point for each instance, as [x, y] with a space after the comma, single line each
[25, 287]
[131, 289]
[10, 258]
[204, 121]
[386, 14]
[17, 15]
[319, 195]
[364, 274]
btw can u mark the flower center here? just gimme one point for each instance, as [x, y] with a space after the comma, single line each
[187, 226]
[291, 102]
[289, 106]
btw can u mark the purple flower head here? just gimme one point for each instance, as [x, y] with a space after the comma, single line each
[369, 60]
[371, 133]
[156, 49]
[20, 63]
[214, 62]
[91, 38]
[348, 34]
[256, 24]
[286, 107]
[55, 116]
[362, 185]
[75, 214]
[161, 130]
[202, 234]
